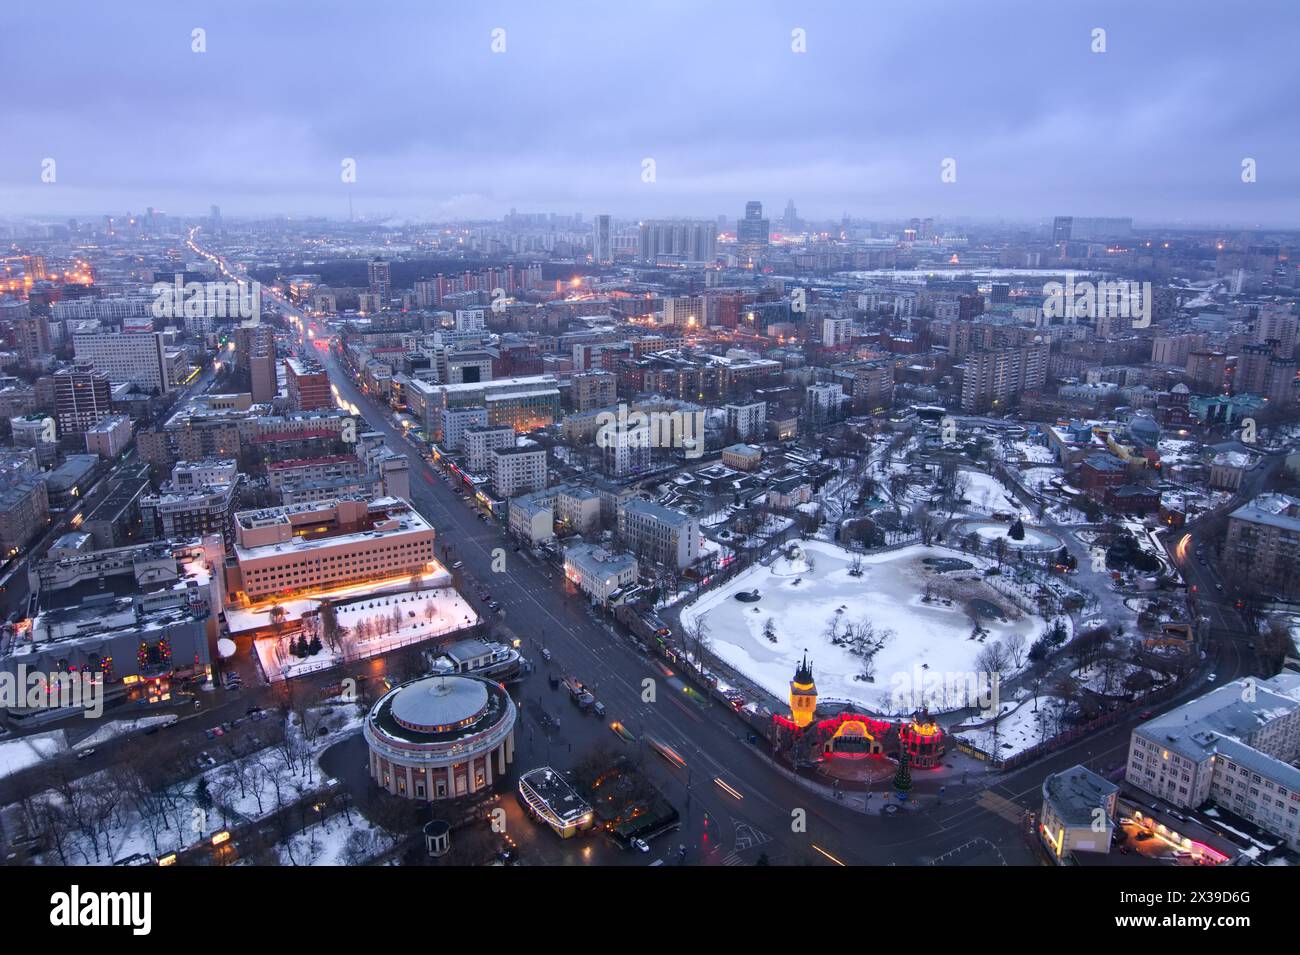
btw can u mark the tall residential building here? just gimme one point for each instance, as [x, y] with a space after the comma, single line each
[659, 534]
[823, 403]
[1206, 369]
[480, 442]
[746, 421]
[518, 470]
[1278, 324]
[82, 398]
[624, 451]
[602, 241]
[255, 356]
[308, 385]
[593, 389]
[686, 240]
[381, 281]
[836, 332]
[994, 379]
[1264, 535]
[136, 358]
[198, 499]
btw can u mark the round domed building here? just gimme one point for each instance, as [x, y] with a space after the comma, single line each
[440, 737]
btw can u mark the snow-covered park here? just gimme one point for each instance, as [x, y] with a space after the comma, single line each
[814, 602]
[371, 626]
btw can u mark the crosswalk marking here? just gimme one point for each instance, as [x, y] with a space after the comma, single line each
[1000, 806]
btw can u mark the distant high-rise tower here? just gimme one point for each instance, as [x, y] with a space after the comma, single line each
[790, 220]
[381, 283]
[803, 694]
[1062, 227]
[602, 242]
[752, 232]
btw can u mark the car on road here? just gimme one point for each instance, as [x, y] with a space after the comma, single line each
[1145, 715]
[458, 565]
[494, 605]
[546, 655]
[86, 753]
[598, 708]
[641, 844]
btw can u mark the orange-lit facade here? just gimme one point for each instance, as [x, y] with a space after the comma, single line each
[803, 695]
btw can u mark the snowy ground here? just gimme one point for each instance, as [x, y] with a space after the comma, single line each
[339, 840]
[930, 639]
[1034, 538]
[258, 617]
[1018, 730]
[986, 494]
[125, 821]
[18, 754]
[424, 614]
[124, 728]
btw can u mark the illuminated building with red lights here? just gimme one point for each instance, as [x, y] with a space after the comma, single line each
[853, 735]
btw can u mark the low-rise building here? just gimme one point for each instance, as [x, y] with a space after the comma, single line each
[598, 573]
[742, 457]
[109, 437]
[1078, 812]
[24, 512]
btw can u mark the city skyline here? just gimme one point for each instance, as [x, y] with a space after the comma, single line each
[442, 128]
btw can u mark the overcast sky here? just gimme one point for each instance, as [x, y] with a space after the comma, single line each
[440, 126]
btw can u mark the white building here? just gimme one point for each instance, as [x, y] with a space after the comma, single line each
[659, 534]
[518, 470]
[597, 572]
[746, 421]
[469, 320]
[1233, 747]
[836, 331]
[108, 438]
[137, 358]
[480, 442]
[456, 420]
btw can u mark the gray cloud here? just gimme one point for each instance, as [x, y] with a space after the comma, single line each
[1155, 128]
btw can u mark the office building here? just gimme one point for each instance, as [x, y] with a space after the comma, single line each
[318, 544]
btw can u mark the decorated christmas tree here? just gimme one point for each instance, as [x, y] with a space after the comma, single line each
[903, 778]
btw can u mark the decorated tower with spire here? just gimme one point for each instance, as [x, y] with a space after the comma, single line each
[803, 694]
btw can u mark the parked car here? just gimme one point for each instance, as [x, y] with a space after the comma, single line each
[641, 844]
[598, 708]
